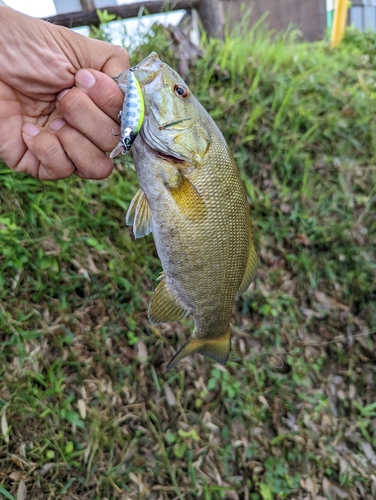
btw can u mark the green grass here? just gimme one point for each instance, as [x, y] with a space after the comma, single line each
[87, 409]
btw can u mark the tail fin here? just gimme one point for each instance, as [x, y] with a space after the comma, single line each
[217, 349]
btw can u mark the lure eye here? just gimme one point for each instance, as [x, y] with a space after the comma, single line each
[181, 91]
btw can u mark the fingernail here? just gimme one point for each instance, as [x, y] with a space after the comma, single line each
[30, 130]
[61, 94]
[56, 125]
[84, 78]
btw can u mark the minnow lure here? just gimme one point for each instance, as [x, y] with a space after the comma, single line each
[131, 116]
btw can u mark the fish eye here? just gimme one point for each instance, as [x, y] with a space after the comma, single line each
[181, 91]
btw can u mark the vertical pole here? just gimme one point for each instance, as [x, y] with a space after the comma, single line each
[88, 4]
[339, 22]
[212, 17]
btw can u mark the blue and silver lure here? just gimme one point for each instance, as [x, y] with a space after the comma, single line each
[132, 115]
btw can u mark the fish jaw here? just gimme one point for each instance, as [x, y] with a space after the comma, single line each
[122, 80]
[148, 69]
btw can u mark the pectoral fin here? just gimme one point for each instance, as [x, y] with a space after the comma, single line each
[217, 349]
[139, 215]
[165, 305]
[188, 199]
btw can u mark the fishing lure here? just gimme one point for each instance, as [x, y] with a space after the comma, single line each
[131, 116]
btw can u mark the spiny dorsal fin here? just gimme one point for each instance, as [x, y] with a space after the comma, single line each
[217, 349]
[139, 215]
[165, 305]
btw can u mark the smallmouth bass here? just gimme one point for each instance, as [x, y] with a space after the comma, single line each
[194, 202]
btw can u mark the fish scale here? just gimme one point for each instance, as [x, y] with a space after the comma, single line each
[193, 201]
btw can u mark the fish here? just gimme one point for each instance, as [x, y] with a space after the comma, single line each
[192, 199]
[132, 114]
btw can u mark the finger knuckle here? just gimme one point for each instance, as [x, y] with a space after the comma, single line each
[52, 152]
[102, 169]
[55, 162]
[73, 100]
[120, 53]
[114, 101]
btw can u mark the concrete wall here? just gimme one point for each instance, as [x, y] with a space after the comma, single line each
[362, 14]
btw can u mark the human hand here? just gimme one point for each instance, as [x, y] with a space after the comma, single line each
[56, 118]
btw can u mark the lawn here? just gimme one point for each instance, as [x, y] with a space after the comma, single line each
[87, 408]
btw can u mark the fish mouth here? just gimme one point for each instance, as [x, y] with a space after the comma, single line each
[145, 71]
[165, 156]
[169, 158]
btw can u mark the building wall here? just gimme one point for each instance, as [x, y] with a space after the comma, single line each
[308, 15]
[362, 14]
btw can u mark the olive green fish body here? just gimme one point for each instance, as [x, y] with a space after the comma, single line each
[193, 201]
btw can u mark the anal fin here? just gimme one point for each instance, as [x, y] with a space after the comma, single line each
[165, 306]
[139, 215]
[217, 348]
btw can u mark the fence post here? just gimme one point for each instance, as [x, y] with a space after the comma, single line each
[88, 4]
[212, 17]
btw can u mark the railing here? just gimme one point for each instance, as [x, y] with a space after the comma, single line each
[210, 12]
